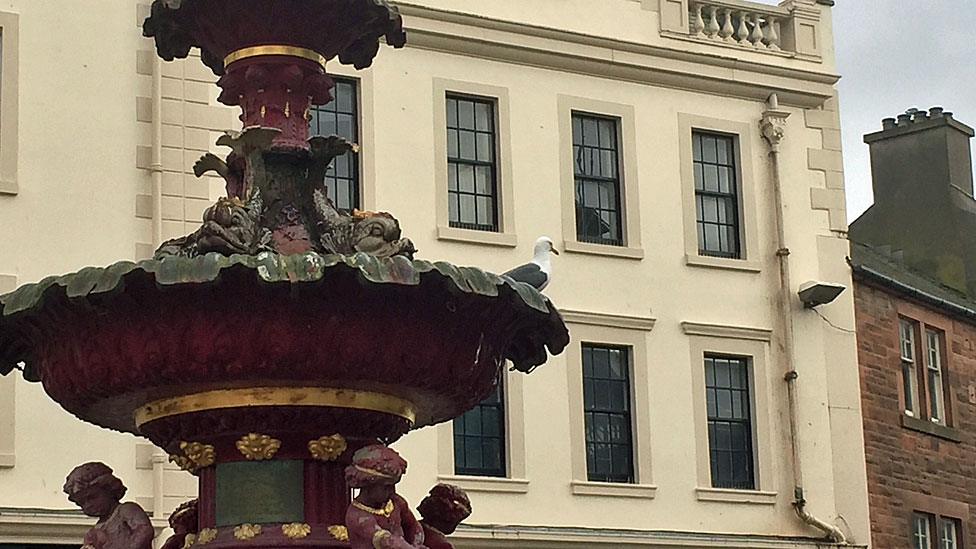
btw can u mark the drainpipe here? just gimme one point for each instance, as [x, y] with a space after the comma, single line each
[773, 126]
[156, 163]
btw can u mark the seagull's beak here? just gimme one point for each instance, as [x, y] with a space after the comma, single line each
[553, 250]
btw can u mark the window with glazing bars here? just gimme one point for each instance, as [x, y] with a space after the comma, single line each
[716, 195]
[933, 366]
[606, 407]
[472, 186]
[729, 422]
[341, 117]
[949, 533]
[479, 439]
[909, 372]
[596, 167]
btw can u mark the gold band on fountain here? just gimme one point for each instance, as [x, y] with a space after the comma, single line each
[276, 396]
[289, 51]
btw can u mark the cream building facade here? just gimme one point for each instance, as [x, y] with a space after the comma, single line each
[97, 143]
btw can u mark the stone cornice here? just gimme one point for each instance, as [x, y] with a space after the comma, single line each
[526, 44]
[610, 320]
[727, 332]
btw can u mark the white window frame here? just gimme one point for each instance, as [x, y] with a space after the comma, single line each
[909, 375]
[948, 534]
[934, 381]
[921, 531]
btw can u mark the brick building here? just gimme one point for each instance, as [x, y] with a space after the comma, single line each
[915, 306]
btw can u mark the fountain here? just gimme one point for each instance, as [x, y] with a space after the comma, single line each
[278, 349]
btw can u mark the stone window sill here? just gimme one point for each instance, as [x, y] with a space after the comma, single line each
[487, 238]
[723, 495]
[612, 489]
[7, 461]
[722, 263]
[488, 484]
[9, 187]
[927, 427]
[626, 252]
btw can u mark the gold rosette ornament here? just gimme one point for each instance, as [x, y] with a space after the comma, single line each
[195, 456]
[296, 530]
[328, 448]
[258, 447]
[205, 536]
[339, 532]
[245, 532]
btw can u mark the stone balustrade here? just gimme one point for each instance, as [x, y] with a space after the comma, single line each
[789, 29]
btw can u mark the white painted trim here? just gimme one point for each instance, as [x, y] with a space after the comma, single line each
[756, 497]
[674, 67]
[726, 331]
[9, 98]
[545, 537]
[487, 484]
[616, 490]
[611, 320]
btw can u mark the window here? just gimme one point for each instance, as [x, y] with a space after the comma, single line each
[606, 413]
[472, 192]
[716, 195]
[931, 531]
[909, 372]
[933, 343]
[479, 439]
[9, 60]
[341, 117]
[596, 168]
[923, 371]
[729, 422]
[948, 533]
[921, 535]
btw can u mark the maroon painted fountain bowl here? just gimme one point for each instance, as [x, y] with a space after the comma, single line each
[181, 348]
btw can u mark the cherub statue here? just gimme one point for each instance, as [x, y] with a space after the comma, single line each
[184, 523]
[98, 492]
[442, 510]
[378, 518]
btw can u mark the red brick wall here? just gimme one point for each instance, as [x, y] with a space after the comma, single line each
[910, 470]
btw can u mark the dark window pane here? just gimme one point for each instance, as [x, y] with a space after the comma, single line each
[606, 402]
[729, 412]
[341, 117]
[717, 195]
[596, 167]
[471, 150]
[479, 439]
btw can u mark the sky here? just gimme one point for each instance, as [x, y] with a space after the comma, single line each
[897, 54]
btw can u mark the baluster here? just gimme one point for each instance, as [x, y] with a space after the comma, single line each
[772, 35]
[743, 33]
[727, 29]
[756, 38]
[698, 23]
[712, 29]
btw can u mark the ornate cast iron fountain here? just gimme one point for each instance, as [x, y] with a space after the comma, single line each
[276, 350]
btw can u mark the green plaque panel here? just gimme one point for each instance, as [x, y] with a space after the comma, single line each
[260, 491]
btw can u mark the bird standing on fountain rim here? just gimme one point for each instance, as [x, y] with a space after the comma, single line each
[538, 272]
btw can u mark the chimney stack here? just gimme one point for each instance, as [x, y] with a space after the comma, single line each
[920, 155]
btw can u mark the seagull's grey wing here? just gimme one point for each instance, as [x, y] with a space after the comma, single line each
[531, 274]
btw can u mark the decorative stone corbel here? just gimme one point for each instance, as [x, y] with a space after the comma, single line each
[773, 123]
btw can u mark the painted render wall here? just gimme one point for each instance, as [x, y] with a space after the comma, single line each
[84, 184]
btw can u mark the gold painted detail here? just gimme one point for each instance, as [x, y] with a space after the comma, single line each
[258, 447]
[379, 537]
[288, 51]
[264, 111]
[287, 109]
[205, 536]
[195, 456]
[339, 532]
[276, 396]
[328, 448]
[386, 511]
[245, 532]
[189, 540]
[296, 530]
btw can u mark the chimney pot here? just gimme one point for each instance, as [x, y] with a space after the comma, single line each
[936, 112]
[904, 119]
[888, 124]
[920, 116]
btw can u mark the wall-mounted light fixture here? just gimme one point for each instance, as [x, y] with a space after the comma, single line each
[814, 294]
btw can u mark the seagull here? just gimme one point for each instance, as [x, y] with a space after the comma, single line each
[538, 272]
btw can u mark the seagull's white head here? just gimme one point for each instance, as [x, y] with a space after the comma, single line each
[543, 246]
